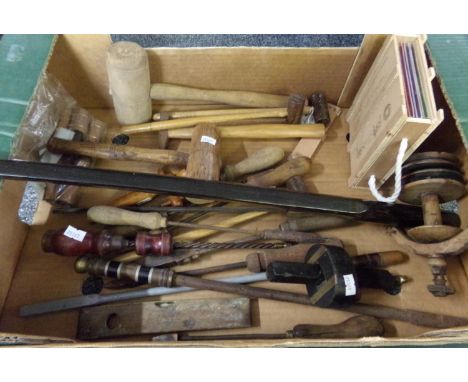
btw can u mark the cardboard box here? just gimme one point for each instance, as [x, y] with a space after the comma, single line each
[27, 275]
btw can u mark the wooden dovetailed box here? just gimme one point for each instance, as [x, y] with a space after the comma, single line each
[395, 101]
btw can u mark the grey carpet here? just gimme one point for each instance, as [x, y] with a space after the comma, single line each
[261, 40]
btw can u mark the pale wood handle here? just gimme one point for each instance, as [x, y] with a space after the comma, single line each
[118, 152]
[260, 160]
[117, 216]
[204, 113]
[188, 122]
[273, 131]
[202, 233]
[279, 175]
[167, 92]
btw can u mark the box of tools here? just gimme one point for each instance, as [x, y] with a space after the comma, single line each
[215, 206]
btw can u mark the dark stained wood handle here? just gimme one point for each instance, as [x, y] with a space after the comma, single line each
[354, 327]
[259, 260]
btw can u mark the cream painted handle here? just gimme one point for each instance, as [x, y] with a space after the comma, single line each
[204, 113]
[167, 92]
[117, 216]
[260, 160]
[270, 131]
[201, 233]
[187, 122]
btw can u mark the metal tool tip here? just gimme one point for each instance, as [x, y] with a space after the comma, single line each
[81, 264]
[404, 279]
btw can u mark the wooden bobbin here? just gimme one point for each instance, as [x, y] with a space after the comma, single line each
[429, 179]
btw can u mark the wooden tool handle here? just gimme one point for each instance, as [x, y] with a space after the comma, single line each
[259, 260]
[296, 183]
[315, 222]
[167, 92]
[204, 113]
[380, 259]
[69, 194]
[187, 122]
[117, 216]
[260, 160]
[354, 327]
[280, 174]
[260, 131]
[132, 198]
[118, 152]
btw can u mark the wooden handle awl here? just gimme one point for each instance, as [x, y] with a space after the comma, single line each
[280, 174]
[118, 152]
[117, 216]
[354, 327]
[260, 131]
[260, 160]
[168, 92]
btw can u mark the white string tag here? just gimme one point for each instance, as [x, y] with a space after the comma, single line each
[398, 164]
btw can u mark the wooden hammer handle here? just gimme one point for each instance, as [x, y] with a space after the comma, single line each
[167, 92]
[258, 161]
[205, 113]
[117, 216]
[118, 152]
[280, 174]
[260, 131]
[188, 122]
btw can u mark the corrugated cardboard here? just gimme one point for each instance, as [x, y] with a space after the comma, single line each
[78, 62]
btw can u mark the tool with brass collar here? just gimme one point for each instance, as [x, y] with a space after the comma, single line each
[330, 273]
[430, 178]
[337, 294]
[105, 244]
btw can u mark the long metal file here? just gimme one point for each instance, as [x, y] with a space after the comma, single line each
[397, 214]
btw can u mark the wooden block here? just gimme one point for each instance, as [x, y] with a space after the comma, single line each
[379, 118]
[307, 147]
[150, 317]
